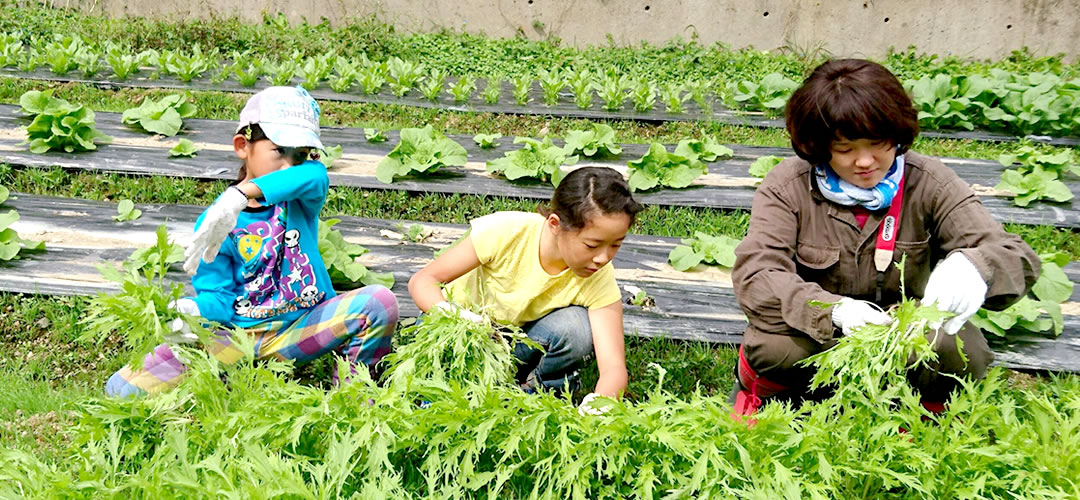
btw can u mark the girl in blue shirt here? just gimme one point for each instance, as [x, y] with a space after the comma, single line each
[256, 262]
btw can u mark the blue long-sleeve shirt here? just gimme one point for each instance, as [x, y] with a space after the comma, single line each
[269, 267]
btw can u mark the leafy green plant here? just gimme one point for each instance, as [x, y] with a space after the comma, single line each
[346, 75]
[432, 87]
[674, 96]
[188, 67]
[88, 62]
[140, 310]
[316, 69]
[769, 95]
[61, 54]
[659, 167]
[10, 242]
[582, 85]
[372, 76]
[613, 90]
[1040, 311]
[463, 89]
[126, 211]
[643, 95]
[536, 160]
[164, 116]
[404, 74]
[282, 73]
[122, 62]
[11, 48]
[707, 150]
[374, 135]
[522, 88]
[763, 165]
[420, 151]
[945, 101]
[340, 258]
[415, 233]
[33, 56]
[487, 141]
[714, 250]
[599, 140]
[330, 155]
[184, 149]
[249, 74]
[699, 93]
[551, 83]
[1039, 175]
[492, 90]
[58, 124]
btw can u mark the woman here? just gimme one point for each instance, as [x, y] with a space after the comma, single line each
[830, 224]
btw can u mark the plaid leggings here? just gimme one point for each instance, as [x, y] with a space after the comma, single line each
[359, 324]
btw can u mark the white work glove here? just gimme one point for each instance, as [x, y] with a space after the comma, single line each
[955, 286]
[460, 311]
[220, 219]
[850, 314]
[181, 332]
[587, 408]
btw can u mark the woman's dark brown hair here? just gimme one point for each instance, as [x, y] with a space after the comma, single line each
[588, 191]
[853, 99]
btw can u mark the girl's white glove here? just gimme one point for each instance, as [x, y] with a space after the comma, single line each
[850, 314]
[586, 407]
[182, 333]
[955, 286]
[220, 219]
[447, 307]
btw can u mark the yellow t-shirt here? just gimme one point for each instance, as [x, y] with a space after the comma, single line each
[510, 284]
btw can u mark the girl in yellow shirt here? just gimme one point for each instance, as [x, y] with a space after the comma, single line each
[549, 273]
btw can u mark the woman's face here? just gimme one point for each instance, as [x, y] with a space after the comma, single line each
[862, 162]
[588, 249]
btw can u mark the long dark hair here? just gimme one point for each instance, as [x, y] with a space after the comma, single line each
[588, 191]
[252, 133]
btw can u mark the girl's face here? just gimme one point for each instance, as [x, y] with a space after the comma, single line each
[588, 249]
[263, 157]
[862, 162]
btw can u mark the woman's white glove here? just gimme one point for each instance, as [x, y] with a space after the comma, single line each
[955, 286]
[448, 307]
[220, 219]
[587, 408]
[181, 332]
[850, 314]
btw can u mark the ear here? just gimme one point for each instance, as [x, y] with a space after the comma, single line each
[554, 222]
[240, 146]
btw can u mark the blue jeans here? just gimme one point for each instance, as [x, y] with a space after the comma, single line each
[566, 336]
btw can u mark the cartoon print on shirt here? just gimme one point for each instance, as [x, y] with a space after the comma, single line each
[276, 270]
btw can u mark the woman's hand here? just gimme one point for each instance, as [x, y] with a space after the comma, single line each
[955, 286]
[850, 314]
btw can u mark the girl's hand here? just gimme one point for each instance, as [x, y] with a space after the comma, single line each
[219, 220]
[457, 310]
[850, 314]
[955, 286]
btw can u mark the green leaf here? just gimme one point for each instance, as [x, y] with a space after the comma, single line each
[763, 165]
[8, 219]
[487, 141]
[4, 193]
[684, 257]
[126, 211]
[1053, 284]
[185, 148]
[374, 135]
[330, 155]
[163, 116]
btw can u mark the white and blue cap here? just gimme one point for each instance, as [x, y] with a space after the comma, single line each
[289, 117]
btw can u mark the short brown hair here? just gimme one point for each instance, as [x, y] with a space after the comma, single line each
[853, 99]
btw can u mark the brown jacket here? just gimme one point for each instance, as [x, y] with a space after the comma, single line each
[802, 247]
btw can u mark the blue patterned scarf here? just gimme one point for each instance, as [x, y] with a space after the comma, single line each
[844, 193]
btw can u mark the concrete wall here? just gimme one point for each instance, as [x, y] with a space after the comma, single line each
[967, 28]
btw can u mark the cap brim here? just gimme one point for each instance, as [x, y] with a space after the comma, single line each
[291, 136]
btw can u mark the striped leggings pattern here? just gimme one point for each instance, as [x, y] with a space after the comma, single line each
[359, 324]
